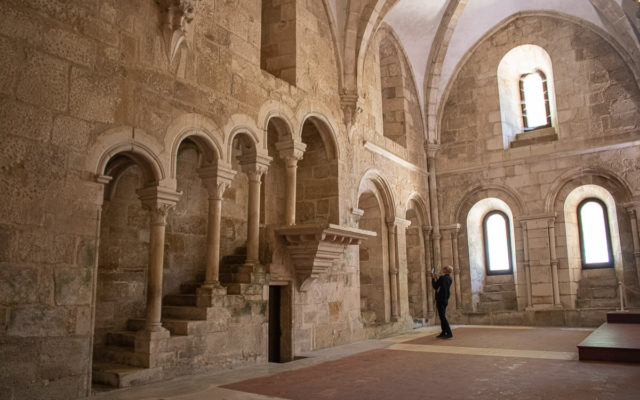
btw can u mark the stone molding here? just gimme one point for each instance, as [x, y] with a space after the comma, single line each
[314, 247]
[351, 105]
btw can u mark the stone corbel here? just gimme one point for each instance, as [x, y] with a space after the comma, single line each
[314, 247]
[351, 108]
[177, 15]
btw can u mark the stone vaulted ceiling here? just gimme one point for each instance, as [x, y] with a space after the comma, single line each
[436, 35]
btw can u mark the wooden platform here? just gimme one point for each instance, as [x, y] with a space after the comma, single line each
[617, 340]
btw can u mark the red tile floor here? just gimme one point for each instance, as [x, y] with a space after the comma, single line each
[478, 363]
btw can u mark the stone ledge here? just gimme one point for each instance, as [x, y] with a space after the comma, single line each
[535, 136]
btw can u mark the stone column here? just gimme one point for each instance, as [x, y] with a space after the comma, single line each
[426, 237]
[291, 152]
[554, 262]
[254, 167]
[527, 264]
[216, 179]
[432, 149]
[633, 210]
[456, 264]
[393, 269]
[158, 201]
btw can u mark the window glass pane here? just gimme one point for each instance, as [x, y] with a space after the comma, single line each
[534, 100]
[497, 244]
[594, 233]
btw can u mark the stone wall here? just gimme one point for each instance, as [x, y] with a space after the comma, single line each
[597, 102]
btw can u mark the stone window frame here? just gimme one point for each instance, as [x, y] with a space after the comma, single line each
[605, 213]
[485, 243]
[545, 91]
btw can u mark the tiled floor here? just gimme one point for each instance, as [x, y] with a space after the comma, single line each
[478, 363]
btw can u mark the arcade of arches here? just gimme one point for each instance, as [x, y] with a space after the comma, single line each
[198, 185]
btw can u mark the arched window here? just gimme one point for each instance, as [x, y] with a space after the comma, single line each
[534, 100]
[595, 237]
[497, 243]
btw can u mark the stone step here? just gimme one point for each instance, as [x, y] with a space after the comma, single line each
[119, 355]
[180, 300]
[184, 312]
[240, 277]
[499, 287]
[177, 327]
[189, 287]
[597, 292]
[598, 282]
[611, 303]
[247, 289]
[497, 296]
[234, 259]
[120, 375]
[122, 338]
[498, 279]
[497, 306]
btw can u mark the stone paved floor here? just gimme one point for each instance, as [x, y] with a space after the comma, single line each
[478, 363]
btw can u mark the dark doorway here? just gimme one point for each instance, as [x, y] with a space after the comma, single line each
[275, 300]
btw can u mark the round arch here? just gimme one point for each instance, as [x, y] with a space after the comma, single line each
[206, 135]
[375, 178]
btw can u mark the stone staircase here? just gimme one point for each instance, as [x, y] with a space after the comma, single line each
[598, 291]
[127, 359]
[498, 295]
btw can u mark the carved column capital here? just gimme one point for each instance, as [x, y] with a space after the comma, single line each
[159, 201]
[291, 151]
[255, 166]
[216, 179]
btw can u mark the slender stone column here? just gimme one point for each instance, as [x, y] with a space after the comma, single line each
[527, 263]
[291, 152]
[158, 201]
[393, 269]
[456, 264]
[254, 168]
[426, 237]
[432, 149]
[216, 179]
[633, 209]
[554, 261]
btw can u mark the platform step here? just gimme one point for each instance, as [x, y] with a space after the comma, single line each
[597, 292]
[120, 375]
[611, 303]
[623, 317]
[177, 327]
[612, 342]
[119, 355]
[122, 338]
[497, 306]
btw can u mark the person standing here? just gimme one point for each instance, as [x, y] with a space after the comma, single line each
[441, 284]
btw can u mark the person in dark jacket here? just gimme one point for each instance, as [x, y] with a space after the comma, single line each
[442, 284]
